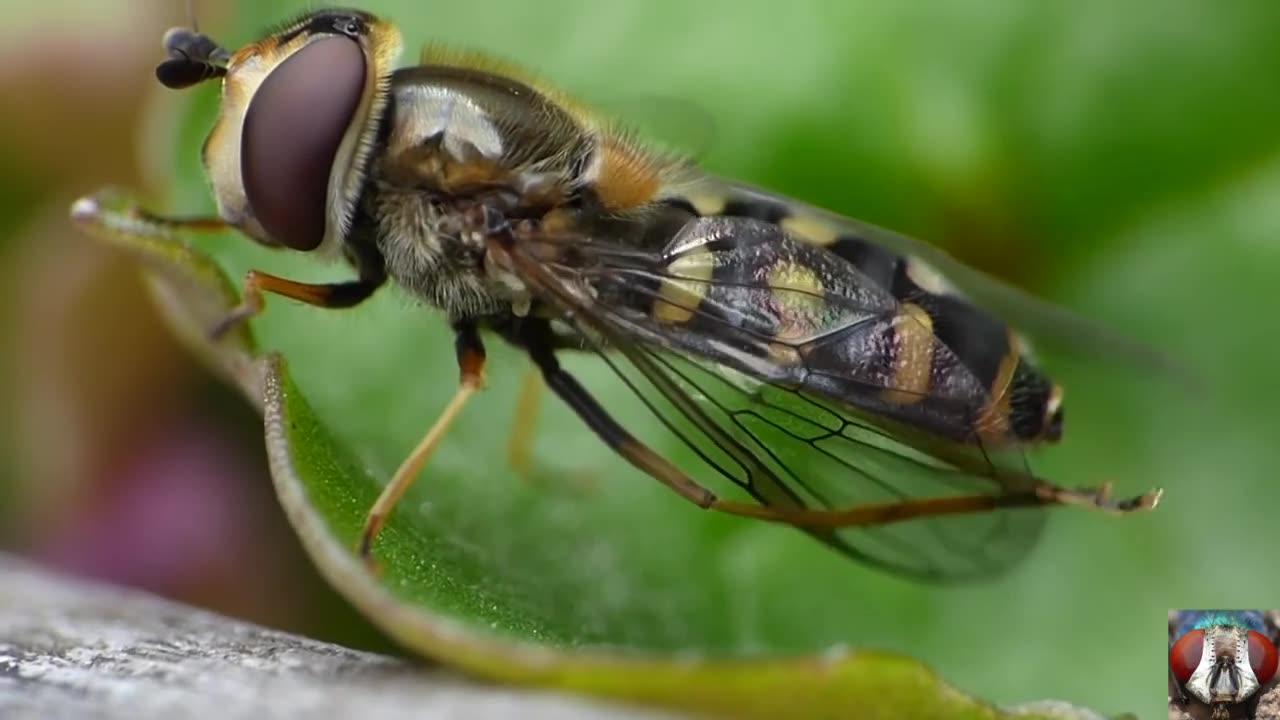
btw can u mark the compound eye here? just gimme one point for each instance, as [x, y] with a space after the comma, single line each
[292, 130]
[1262, 657]
[1184, 656]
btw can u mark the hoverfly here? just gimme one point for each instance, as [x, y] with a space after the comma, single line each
[1222, 659]
[822, 365]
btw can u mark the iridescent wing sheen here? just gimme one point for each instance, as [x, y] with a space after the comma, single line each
[767, 358]
[1048, 324]
[748, 296]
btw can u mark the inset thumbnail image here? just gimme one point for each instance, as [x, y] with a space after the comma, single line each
[1222, 664]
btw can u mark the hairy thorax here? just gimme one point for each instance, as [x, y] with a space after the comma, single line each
[430, 253]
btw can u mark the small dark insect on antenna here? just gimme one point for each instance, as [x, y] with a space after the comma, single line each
[193, 56]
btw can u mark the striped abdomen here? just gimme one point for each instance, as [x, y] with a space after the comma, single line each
[926, 356]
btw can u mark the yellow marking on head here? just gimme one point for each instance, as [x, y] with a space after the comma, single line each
[679, 295]
[993, 422]
[801, 303]
[913, 343]
[263, 47]
[382, 48]
[247, 68]
[811, 229]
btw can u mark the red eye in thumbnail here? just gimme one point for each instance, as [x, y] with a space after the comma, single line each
[1262, 657]
[1184, 656]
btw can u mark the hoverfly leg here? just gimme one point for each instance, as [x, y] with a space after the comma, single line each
[872, 513]
[1098, 497]
[886, 513]
[326, 295]
[487, 220]
[471, 358]
[535, 337]
[117, 214]
[659, 468]
[520, 439]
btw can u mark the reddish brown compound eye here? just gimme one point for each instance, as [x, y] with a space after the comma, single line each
[1262, 657]
[295, 123]
[1184, 656]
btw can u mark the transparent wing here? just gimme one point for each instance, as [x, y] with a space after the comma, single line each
[1042, 321]
[792, 450]
[666, 122]
[744, 294]
[776, 388]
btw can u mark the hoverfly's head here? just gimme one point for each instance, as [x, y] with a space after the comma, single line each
[1223, 663]
[299, 116]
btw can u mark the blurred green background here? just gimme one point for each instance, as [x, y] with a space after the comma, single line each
[1121, 159]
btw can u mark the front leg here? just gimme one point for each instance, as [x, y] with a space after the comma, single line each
[371, 272]
[326, 295]
[117, 215]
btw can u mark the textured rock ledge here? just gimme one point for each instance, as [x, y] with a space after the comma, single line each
[71, 649]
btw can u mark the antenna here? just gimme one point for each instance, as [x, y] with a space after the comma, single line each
[193, 56]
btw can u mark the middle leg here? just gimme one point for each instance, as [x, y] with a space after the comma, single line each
[471, 358]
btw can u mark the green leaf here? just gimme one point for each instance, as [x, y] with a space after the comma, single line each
[1063, 142]
[420, 600]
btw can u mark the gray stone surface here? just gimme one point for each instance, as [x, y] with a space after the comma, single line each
[71, 649]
